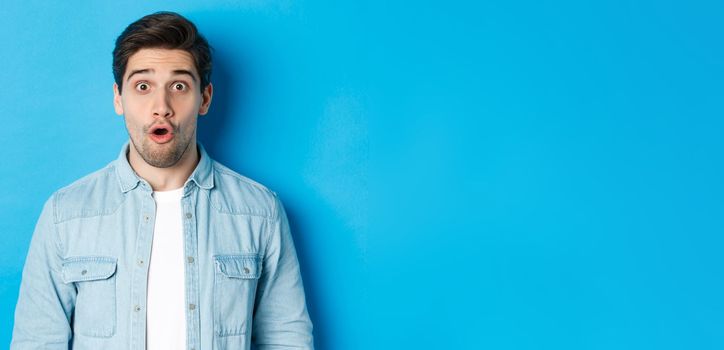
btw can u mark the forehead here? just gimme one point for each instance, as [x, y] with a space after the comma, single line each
[160, 61]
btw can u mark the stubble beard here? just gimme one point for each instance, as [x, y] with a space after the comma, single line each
[162, 155]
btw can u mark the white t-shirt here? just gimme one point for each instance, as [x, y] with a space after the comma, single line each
[166, 311]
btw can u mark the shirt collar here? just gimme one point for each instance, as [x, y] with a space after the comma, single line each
[202, 176]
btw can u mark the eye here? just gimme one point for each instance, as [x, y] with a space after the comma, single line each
[179, 86]
[142, 86]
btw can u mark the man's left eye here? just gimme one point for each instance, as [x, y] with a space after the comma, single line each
[179, 86]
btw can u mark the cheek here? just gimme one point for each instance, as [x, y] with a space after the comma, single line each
[131, 126]
[186, 109]
[133, 112]
[186, 103]
[133, 122]
[129, 108]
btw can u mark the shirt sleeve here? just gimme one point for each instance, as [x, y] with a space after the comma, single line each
[281, 320]
[43, 311]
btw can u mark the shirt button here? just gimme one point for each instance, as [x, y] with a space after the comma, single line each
[84, 272]
[140, 261]
[192, 307]
[137, 308]
[190, 259]
[146, 217]
[188, 215]
[246, 270]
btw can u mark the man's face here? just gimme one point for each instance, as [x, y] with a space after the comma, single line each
[161, 101]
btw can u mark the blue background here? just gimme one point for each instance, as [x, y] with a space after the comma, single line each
[459, 175]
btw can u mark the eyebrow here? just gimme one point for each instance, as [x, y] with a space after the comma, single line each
[149, 70]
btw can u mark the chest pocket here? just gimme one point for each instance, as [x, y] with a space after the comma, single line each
[95, 304]
[235, 282]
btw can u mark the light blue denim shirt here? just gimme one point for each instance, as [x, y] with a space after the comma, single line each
[85, 276]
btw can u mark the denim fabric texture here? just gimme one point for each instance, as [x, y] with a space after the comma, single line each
[84, 280]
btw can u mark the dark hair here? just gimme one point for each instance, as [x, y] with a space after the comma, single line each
[165, 30]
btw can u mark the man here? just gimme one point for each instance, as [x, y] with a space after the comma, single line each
[163, 248]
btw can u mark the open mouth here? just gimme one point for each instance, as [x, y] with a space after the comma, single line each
[160, 130]
[161, 134]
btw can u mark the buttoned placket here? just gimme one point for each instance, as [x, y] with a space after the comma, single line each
[144, 242]
[193, 336]
[139, 282]
[139, 286]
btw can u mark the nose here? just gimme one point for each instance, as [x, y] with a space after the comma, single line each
[162, 105]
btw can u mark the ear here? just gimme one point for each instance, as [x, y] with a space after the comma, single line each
[206, 99]
[117, 104]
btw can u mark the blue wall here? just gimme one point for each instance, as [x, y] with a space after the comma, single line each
[511, 175]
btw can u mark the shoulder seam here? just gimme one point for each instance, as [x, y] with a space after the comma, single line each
[224, 170]
[60, 193]
[86, 178]
[59, 243]
[241, 179]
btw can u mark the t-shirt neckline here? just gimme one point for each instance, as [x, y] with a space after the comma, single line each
[168, 196]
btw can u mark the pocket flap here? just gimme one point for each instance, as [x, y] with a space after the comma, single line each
[238, 266]
[88, 268]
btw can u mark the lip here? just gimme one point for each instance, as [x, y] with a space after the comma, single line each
[168, 136]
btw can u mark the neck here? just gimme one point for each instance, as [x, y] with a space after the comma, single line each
[165, 179]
